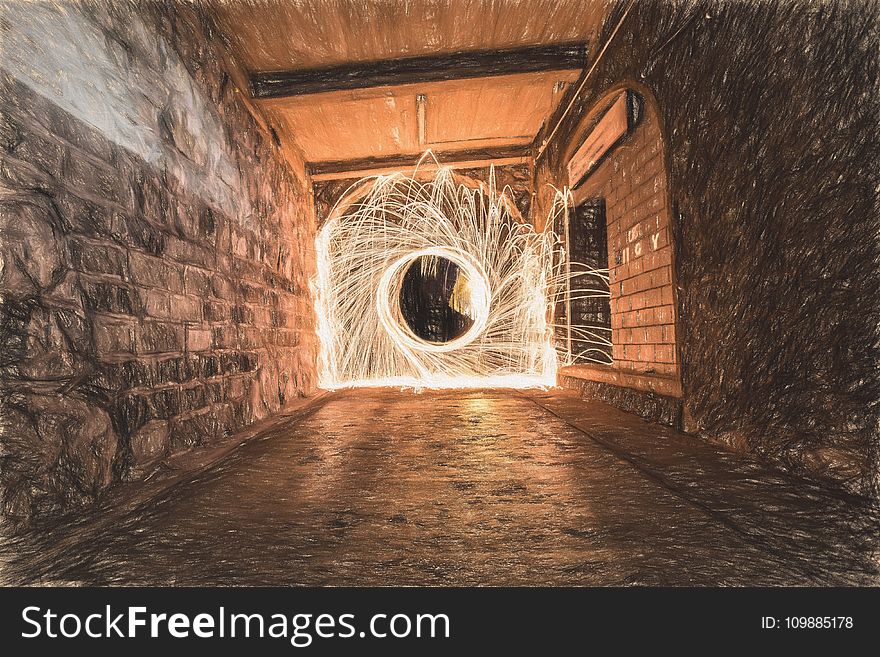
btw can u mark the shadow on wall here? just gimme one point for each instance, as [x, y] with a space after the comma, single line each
[770, 113]
[155, 251]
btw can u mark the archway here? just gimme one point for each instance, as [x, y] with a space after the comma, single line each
[387, 240]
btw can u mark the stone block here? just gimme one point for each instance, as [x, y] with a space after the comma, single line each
[31, 250]
[287, 338]
[160, 337]
[252, 293]
[150, 442]
[12, 132]
[114, 336]
[131, 411]
[17, 174]
[84, 216]
[96, 258]
[183, 213]
[230, 363]
[283, 318]
[43, 354]
[38, 150]
[215, 311]
[80, 135]
[205, 426]
[131, 374]
[187, 252]
[139, 233]
[84, 176]
[163, 305]
[193, 397]
[249, 337]
[157, 303]
[214, 391]
[198, 339]
[209, 365]
[150, 271]
[207, 224]
[262, 316]
[242, 413]
[178, 369]
[77, 330]
[222, 288]
[104, 297]
[150, 199]
[236, 387]
[239, 244]
[242, 314]
[58, 454]
[165, 402]
[224, 337]
[186, 308]
[198, 282]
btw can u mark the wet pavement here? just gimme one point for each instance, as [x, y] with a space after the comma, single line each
[388, 487]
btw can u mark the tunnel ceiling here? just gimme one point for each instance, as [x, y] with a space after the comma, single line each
[497, 111]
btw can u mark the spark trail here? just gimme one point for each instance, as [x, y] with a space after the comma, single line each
[513, 277]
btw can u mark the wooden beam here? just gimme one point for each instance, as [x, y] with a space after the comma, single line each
[457, 160]
[379, 171]
[409, 70]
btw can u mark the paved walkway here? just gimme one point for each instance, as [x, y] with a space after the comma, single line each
[383, 487]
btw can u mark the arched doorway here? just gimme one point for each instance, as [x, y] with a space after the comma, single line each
[432, 280]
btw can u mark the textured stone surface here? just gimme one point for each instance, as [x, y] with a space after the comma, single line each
[111, 67]
[31, 251]
[647, 405]
[129, 167]
[383, 487]
[149, 442]
[57, 452]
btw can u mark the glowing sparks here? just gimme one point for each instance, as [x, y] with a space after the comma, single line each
[508, 282]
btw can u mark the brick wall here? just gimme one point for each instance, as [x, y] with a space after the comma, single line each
[632, 180]
[155, 251]
[645, 377]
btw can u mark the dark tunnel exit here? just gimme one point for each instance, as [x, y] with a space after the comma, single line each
[431, 296]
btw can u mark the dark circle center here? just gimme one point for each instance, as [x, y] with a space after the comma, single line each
[435, 299]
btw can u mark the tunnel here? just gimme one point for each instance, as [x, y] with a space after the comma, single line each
[430, 301]
[510, 293]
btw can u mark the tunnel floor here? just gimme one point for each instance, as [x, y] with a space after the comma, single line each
[388, 487]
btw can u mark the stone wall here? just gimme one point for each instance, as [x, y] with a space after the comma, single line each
[645, 403]
[155, 250]
[772, 157]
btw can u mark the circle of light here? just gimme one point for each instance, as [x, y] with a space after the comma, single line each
[388, 288]
[389, 218]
